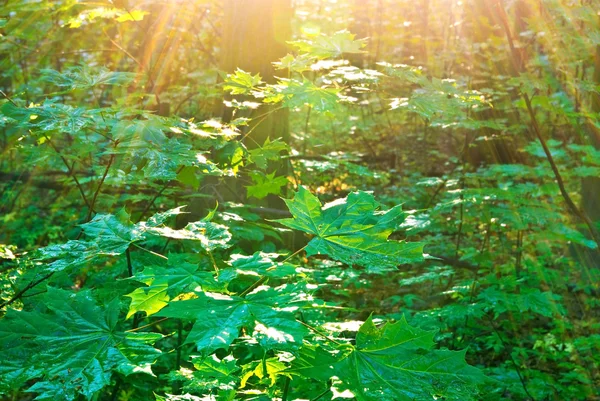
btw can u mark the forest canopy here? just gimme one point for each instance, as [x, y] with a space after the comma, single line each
[219, 200]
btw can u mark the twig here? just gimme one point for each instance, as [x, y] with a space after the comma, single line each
[253, 286]
[25, 289]
[146, 325]
[322, 394]
[70, 170]
[149, 205]
[149, 251]
[519, 67]
[317, 331]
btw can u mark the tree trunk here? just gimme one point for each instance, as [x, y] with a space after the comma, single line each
[590, 186]
[255, 33]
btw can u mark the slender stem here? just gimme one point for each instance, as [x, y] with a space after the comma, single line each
[518, 267]
[179, 343]
[146, 325]
[159, 193]
[69, 170]
[129, 264]
[517, 61]
[91, 208]
[8, 98]
[264, 363]
[322, 394]
[213, 261]
[286, 389]
[294, 254]
[253, 286]
[144, 68]
[149, 251]
[317, 331]
[262, 118]
[25, 289]
[265, 278]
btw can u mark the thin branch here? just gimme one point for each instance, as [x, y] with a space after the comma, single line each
[253, 286]
[149, 251]
[91, 208]
[159, 193]
[147, 325]
[317, 331]
[517, 61]
[25, 289]
[70, 170]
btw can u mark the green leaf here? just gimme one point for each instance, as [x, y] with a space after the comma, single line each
[529, 301]
[6, 252]
[241, 82]
[395, 362]
[271, 150]
[49, 117]
[112, 233]
[117, 14]
[72, 346]
[144, 144]
[133, 15]
[165, 283]
[333, 46]
[351, 230]
[265, 185]
[219, 318]
[86, 78]
[210, 235]
[259, 264]
[214, 373]
[71, 255]
[272, 369]
[298, 64]
[305, 93]
[185, 397]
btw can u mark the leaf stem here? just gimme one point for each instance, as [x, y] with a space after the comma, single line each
[149, 251]
[317, 331]
[25, 289]
[509, 352]
[213, 261]
[91, 209]
[253, 286]
[70, 170]
[179, 343]
[129, 264]
[159, 193]
[322, 394]
[146, 325]
[286, 389]
[265, 278]
[294, 254]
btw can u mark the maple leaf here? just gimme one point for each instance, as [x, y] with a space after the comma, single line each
[71, 346]
[395, 362]
[351, 230]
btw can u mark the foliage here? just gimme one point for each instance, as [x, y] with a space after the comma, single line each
[419, 221]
